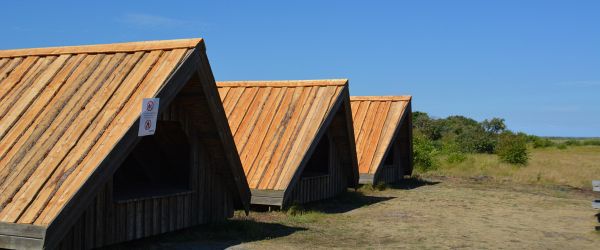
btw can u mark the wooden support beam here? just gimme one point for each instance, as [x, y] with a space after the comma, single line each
[16, 242]
[265, 200]
[22, 230]
[366, 178]
[21, 236]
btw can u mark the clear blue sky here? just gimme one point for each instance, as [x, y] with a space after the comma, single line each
[535, 63]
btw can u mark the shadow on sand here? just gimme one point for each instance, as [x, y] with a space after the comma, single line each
[345, 202]
[412, 183]
[356, 199]
[213, 236]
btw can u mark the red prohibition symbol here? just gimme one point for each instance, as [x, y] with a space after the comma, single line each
[147, 125]
[149, 106]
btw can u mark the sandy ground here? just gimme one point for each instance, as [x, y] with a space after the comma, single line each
[446, 213]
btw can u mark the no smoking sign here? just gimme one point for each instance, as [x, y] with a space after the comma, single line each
[148, 116]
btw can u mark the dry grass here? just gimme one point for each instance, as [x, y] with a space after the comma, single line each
[574, 166]
[454, 213]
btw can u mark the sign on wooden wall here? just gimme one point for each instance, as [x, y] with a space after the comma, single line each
[148, 116]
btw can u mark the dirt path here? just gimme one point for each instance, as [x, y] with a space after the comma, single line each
[450, 214]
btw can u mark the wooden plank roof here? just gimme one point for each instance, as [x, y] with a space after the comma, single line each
[274, 124]
[63, 110]
[376, 120]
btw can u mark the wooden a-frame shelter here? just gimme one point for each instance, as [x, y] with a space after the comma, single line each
[295, 138]
[75, 174]
[383, 130]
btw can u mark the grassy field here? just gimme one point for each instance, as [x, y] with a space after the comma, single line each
[477, 204]
[573, 166]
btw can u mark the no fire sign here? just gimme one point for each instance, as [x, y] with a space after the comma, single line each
[148, 116]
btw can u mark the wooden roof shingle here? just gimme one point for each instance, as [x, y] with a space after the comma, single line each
[274, 124]
[376, 119]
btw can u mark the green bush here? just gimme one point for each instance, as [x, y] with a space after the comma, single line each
[295, 209]
[456, 157]
[594, 142]
[539, 142]
[561, 146]
[512, 148]
[424, 154]
[453, 152]
[573, 142]
[380, 186]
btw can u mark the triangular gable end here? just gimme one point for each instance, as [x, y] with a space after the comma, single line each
[277, 125]
[96, 90]
[311, 182]
[383, 130]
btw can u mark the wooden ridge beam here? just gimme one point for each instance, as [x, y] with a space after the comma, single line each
[286, 83]
[381, 98]
[105, 48]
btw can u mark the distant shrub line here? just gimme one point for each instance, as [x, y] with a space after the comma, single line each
[456, 136]
[539, 142]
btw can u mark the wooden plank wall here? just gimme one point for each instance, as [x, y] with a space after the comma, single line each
[322, 187]
[388, 174]
[107, 222]
[342, 168]
[392, 173]
[401, 147]
[341, 177]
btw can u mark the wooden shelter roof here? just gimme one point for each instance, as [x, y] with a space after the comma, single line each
[376, 119]
[275, 122]
[64, 109]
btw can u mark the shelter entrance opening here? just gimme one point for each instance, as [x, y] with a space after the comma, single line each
[318, 164]
[389, 159]
[158, 166]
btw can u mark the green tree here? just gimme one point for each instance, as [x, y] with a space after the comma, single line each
[476, 140]
[429, 127]
[495, 125]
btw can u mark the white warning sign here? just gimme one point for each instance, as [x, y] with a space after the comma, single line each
[148, 116]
